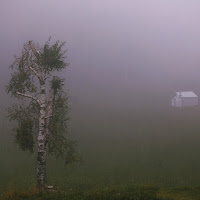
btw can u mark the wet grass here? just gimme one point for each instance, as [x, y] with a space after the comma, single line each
[131, 192]
[182, 193]
[130, 145]
[122, 192]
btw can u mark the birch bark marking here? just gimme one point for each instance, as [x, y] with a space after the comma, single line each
[48, 114]
[41, 158]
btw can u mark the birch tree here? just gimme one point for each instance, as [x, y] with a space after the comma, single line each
[41, 109]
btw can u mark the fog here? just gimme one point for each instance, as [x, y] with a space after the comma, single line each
[112, 44]
[127, 57]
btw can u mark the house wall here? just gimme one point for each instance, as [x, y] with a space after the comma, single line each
[177, 101]
[189, 101]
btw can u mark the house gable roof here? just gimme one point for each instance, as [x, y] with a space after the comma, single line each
[186, 94]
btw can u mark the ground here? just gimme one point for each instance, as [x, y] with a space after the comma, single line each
[122, 192]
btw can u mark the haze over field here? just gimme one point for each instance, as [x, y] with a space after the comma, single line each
[113, 45]
[127, 59]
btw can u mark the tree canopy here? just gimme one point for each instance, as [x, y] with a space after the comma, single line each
[42, 108]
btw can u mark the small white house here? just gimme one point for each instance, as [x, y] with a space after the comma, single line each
[184, 99]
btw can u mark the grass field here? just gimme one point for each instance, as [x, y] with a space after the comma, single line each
[111, 193]
[123, 192]
[128, 144]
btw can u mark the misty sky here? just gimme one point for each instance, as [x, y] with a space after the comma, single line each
[114, 46]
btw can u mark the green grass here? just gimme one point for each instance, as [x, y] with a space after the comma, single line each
[131, 192]
[136, 144]
[123, 192]
[183, 193]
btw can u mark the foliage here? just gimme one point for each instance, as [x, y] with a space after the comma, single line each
[24, 136]
[58, 144]
[52, 57]
[49, 58]
[36, 66]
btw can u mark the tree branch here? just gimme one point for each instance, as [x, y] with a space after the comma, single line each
[36, 53]
[28, 96]
[35, 72]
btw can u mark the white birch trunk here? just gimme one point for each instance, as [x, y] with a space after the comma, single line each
[41, 157]
[49, 114]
